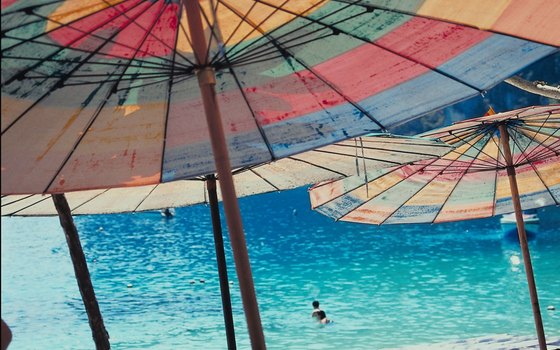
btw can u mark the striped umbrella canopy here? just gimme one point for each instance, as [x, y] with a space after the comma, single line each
[469, 182]
[345, 158]
[99, 94]
[500, 164]
[117, 93]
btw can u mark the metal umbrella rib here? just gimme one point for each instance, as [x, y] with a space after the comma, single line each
[365, 40]
[382, 6]
[101, 106]
[286, 54]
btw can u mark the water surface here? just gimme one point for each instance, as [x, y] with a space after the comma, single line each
[383, 286]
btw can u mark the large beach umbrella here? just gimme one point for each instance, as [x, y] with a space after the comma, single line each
[501, 163]
[344, 158]
[99, 94]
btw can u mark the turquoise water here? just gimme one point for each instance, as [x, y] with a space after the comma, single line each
[383, 286]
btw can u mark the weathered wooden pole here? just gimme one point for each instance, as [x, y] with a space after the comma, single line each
[100, 335]
[221, 260]
[504, 137]
[207, 82]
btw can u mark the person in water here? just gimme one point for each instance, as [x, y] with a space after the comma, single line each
[319, 314]
[316, 309]
[322, 317]
[168, 213]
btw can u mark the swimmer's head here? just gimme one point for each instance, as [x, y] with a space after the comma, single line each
[315, 304]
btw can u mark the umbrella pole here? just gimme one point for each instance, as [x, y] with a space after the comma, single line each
[207, 82]
[523, 237]
[100, 335]
[221, 260]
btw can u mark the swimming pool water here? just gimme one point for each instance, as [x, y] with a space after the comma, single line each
[384, 286]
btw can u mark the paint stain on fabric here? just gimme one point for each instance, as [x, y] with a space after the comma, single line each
[138, 180]
[132, 159]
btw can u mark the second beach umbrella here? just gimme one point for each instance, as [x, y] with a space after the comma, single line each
[501, 163]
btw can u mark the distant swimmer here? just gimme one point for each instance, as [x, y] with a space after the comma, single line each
[319, 314]
[316, 309]
[168, 212]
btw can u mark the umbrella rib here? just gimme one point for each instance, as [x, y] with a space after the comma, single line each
[149, 33]
[531, 129]
[84, 34]
[16, 200]
[423, 166]
[434, 69]
[62, 80]
[430, 164]
[363, 156]
[28, 11]
[132, 76]
[457, 183]
[354, 104]
[414, 14]
[531, 164]
[295, 16]
[264, 179]
[348, 190]
[169, 90]
[541, 143]
[373, 148]
[99, 63]
[90, 199]
[236, 29]
[184, 31]
[496, 178]
[316, 164]
[19, 26]
[146, 197]
[97, 112]
[29, 206]
[156, 38]
[335, 89]
[254, 117]
[244, 19]
[256, 26]
[544, 184]
[270, 53]
[61, 48]
[214, 33]
[330, 27]
[29, 8]
[97, 82]
[233, 32]
[487, 129]
[138, 86]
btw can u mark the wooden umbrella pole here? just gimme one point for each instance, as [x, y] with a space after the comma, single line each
[221, 260]
[100, 335]
[207, 82]
[522, 236]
